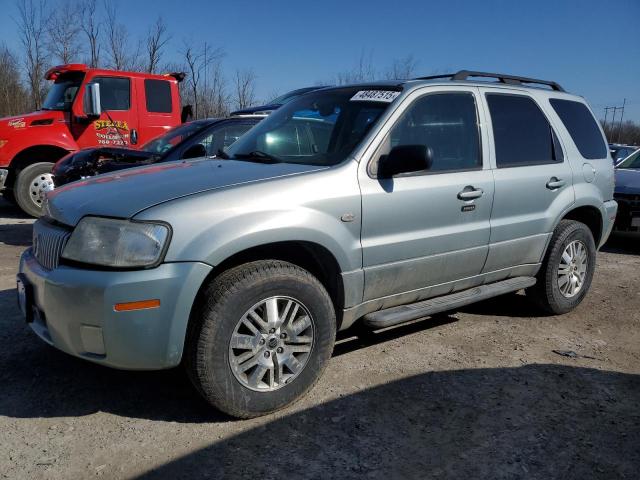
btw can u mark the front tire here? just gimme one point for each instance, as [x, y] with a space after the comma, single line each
[567, 270]
[31, 184]
[259, 338]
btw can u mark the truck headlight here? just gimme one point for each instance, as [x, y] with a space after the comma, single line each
[117, 243]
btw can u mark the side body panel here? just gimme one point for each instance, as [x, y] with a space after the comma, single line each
[525, 210]
[416, 232]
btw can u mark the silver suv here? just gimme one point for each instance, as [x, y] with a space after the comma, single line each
[377, 204]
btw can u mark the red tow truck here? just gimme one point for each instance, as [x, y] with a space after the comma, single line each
[85, 107]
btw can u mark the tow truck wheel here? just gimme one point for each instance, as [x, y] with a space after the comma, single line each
[31, 185]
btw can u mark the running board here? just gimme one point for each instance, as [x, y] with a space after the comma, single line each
[413, 311]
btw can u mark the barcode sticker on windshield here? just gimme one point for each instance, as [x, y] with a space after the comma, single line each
[386, 96]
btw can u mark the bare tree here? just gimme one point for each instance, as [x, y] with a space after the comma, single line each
[63, 29]
[91, 28]
[12, 93]
[118, 42]
[200, 62]
[157, 39]
[364, 71]
[32, 31]
[245, 86]
[402, 68]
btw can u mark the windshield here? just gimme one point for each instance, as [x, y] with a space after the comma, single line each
[320, 128]
[63, 92]
[172, 138]
[632, 162]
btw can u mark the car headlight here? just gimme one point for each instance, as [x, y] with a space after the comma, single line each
[117, 243]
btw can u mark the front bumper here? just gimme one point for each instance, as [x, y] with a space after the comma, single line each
[74, 311]
[628, 218]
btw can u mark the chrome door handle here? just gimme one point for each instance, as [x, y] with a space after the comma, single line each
[554, 183]
[470, 193]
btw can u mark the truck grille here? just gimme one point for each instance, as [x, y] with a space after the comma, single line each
[48, 243]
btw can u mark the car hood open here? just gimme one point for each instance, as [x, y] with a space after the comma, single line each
[628, 181]
[125, 193]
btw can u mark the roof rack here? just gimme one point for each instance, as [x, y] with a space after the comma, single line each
[502, 78]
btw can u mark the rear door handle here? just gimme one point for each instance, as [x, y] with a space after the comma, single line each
[470, 193]
[554, 183]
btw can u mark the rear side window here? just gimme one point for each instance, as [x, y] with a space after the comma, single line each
[158, 94]
[582, 127]
[522, 134]
[115, 93]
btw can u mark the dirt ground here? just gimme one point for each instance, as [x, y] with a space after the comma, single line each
[477, 393]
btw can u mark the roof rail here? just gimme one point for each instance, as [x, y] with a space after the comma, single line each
[502, 78]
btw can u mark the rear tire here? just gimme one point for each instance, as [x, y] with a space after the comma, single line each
[30, 185]
[220, 343]
[567, 270]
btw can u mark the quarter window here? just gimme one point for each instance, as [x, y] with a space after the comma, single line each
[582, 127]
[158, 95]
[447, 123]
[115, 93]
[522, 134]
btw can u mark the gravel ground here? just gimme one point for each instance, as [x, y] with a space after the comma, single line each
[477, 393]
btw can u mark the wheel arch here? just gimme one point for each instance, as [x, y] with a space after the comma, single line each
[313, 257]
[31, 155]
[591, 216]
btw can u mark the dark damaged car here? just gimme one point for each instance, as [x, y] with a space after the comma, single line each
[627, 194]
[200, 138]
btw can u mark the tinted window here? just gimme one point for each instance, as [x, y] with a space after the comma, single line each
[115, 93]
[158, 94]
[582, 127]
[445, 122]
[521, 132]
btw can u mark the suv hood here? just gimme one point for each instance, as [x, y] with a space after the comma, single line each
[125, 193]
[628, 181]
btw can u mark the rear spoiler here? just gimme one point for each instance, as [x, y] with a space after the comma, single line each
[179, 76]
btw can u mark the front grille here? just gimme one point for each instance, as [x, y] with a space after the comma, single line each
[633, 201]
[48, 242]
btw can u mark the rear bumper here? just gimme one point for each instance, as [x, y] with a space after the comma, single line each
[609, 211]
[74, 311]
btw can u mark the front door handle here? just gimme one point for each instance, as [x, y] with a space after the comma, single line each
[555, 183]
[470, 193]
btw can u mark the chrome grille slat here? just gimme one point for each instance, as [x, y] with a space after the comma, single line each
[48, 242]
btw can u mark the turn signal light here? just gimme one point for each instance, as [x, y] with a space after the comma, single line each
[3, 143]
[141, 305]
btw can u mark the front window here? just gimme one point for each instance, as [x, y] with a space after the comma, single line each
[172, 138]
[632, 162]
[320, 128]
[63, 92]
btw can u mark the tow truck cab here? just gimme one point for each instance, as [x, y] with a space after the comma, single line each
[135, 108]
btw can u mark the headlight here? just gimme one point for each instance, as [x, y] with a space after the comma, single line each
[117, 243]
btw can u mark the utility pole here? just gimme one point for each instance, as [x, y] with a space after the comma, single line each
[624, 101]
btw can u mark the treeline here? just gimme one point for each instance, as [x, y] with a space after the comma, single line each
[92, 32]
[627, 133]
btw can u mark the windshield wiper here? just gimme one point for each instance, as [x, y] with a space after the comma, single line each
[257, 156]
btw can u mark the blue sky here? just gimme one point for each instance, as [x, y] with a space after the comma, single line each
[591, 47]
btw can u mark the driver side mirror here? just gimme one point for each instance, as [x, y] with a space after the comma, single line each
[405, 159]
[195, 151]
[92, 105]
